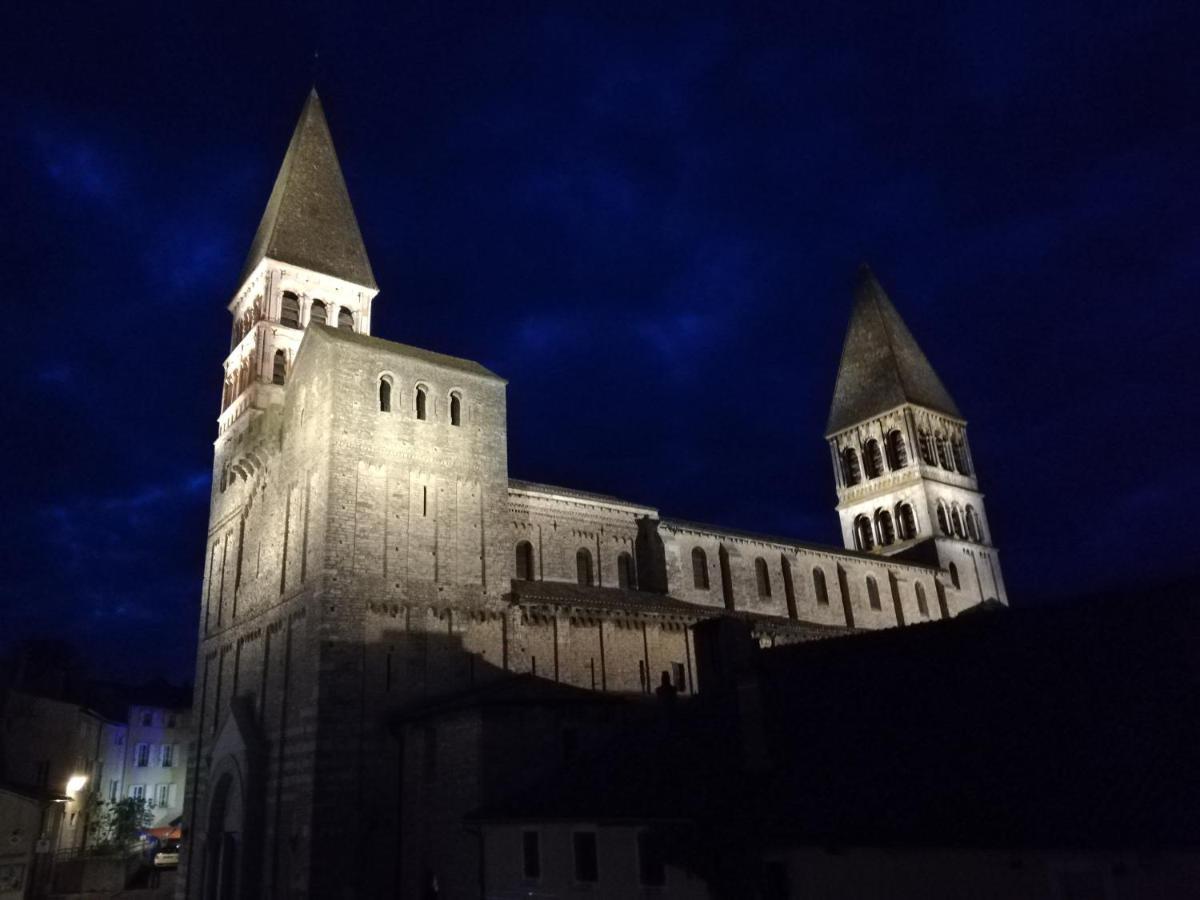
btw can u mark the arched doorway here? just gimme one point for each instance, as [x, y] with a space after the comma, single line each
[223, 840]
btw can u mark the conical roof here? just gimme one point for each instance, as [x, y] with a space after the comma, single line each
[309, 221]
[882, 365]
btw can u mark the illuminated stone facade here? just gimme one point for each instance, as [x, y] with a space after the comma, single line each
[368, 550]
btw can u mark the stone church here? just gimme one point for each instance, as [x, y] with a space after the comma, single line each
[367, 550]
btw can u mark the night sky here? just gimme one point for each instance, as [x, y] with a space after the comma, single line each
[648, 220]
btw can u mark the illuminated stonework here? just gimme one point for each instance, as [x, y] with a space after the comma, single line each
[367, 551]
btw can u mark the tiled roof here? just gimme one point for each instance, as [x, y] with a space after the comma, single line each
[309, 220]
[882, 365]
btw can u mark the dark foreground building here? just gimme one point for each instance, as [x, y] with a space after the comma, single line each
[999, 755]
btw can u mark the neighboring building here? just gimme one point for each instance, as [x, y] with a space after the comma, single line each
[367, 550]
[30, 819]
[58, 756]
[53, 748]
[146, 758]
[1039, 755]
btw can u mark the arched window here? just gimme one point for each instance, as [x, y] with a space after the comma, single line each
[762, 578]
[943, 451]
[279, 369]
[922, 603]
[956, 524]
[385, 393]
[943, 518]
[873, 593]
[954, 576]
[850, 470]
[345, 319]
[455, 408]
[863, 538]
[897, 453]
[420, 400]
[873, 459]
[974, 532]
[289, 312]
[819, 587]
[318, 314]
[959, 451]
[625, 574]
[925, 447]
[583, 566]
[699, 569]
[524, 561]
[726, 578]
[789, 589]
[884, 528]
[907, 520]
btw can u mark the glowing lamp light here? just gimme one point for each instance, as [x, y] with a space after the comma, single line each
[75, 784]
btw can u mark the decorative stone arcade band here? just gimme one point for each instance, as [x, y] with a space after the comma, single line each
[935, 449]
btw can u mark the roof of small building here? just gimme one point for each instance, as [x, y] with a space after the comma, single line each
[882, 365]
[407, 350]
[309, 220]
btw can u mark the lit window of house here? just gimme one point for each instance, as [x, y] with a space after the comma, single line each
[166, 756]
[141, 756]
[162, 795]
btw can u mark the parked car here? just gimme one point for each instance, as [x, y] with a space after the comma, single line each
[167, 856]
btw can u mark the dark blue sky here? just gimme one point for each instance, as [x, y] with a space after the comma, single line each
[648, 219]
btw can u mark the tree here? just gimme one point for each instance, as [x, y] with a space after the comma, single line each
[117, 823]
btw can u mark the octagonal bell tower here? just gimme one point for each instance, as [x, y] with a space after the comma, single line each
[906, 482]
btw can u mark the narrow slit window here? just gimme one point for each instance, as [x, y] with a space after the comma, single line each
[873, 593]
[524, 561]
[820, 588]
[421, 402]
[455, 409]
[279, 369]
[385, 394]
[699, 569]
[762, 578]
[625, 575]
[583, 566]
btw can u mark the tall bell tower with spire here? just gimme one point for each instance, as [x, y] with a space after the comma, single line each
[906, 482]
[307, 263]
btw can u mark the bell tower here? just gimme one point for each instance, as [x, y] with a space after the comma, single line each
[307, 264]
[906, 482]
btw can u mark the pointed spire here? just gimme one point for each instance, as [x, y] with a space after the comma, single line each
[882, 366]
[309, 221]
